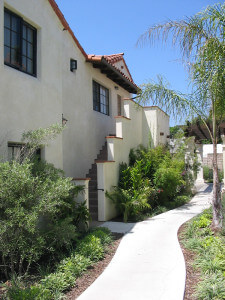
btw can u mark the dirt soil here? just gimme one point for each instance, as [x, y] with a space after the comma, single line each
[193, 276]
[94, 271]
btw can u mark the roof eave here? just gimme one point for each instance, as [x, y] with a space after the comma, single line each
[114, 74]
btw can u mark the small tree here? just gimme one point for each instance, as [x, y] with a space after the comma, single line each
[201, 40]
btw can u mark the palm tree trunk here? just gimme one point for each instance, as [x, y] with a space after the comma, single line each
[216, 202]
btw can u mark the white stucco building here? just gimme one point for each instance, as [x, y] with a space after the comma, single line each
[44, 74]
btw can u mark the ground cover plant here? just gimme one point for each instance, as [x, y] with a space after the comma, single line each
[210, 255]
[154, 181]
[89, 249]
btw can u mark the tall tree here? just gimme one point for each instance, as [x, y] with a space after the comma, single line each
[201, 39]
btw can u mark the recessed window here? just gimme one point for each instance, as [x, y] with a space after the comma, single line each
[19, 151]
[19, 43]
[119, 105]
[100, 98]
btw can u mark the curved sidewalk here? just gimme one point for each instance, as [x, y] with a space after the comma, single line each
[149, 263]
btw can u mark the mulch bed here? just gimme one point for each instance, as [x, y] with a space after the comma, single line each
[92, 273]
[193, 276]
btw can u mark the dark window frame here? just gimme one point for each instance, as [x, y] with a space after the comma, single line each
[23, 44]
[100, 98]
[17, 147]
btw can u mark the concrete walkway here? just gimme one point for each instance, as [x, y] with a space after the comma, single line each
[149, 263]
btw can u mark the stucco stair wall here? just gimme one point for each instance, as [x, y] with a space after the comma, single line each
[93, 184]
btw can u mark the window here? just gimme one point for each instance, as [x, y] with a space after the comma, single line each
[119, 105]
[18, 151]
[100, 98]
[19, 43]
[14, 151]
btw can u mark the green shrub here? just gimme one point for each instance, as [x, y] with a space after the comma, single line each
[169, 180]
[76, 264]
[129, 202]
[91, 248]
[202, 222]
[32, 293]
[58, 281]
[208, 174]
[31, 218]
[181, 200]
[104, 236]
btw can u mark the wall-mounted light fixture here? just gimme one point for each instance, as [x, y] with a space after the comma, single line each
[116, 87]
[64, 120]
[73, 65]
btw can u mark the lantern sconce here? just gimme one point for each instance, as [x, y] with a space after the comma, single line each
[73, 65]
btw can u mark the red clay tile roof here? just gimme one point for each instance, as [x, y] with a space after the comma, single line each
[111, 59]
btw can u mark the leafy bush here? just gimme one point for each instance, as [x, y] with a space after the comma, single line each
[208, 174]
[15, 292]
[76, 264]
[91, 248]
[169, 180]
[129, 202]
[104, 236]
[58, 282]
[31, 215]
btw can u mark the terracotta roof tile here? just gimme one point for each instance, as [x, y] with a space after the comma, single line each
[111, 59]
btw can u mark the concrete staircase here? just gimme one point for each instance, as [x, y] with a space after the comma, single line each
[93, 184]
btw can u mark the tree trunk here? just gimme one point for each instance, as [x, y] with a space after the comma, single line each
[216, 202]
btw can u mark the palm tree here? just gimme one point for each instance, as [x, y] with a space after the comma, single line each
[201, 39]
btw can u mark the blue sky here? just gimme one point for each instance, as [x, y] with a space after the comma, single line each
[108, 27]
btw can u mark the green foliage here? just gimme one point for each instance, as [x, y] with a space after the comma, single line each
[53, 285]
[208, 174]
[210, 249]
[154, 177]
[213, 287]
[15, 292]
[175, 130]
[169, 180]
[104, 235]
[58, 282]
[81, 214]
[34, 214]
[91, 248]
[129, 202]
[76, 264]
[35, 139]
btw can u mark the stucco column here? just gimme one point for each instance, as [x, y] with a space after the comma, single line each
[199, 152]
[223, 149]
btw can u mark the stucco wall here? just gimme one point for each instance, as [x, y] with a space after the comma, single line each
[86, 128]
[27, 102]
[155, 126]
